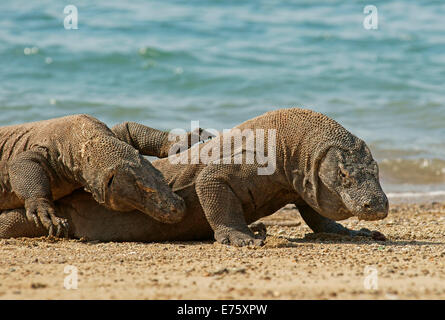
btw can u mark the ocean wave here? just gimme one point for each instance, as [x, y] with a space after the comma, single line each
[413, 171]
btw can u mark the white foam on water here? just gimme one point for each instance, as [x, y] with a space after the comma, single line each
[416, 194]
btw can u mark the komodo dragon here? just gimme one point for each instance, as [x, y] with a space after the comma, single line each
[47, 160]
[328, 173]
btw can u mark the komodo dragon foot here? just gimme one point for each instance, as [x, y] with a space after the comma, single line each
[42, 212]
[319, 223]
[259, 229]
[375, 235]
[238, 238]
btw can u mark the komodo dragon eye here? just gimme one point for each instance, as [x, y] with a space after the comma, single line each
[345, 177]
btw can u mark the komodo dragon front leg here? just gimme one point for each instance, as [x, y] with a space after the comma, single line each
[222, 207]
[30, 178]
[318, 224]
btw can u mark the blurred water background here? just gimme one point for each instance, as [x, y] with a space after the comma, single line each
[164, 63]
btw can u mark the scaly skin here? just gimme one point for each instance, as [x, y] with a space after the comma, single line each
[327, 172]
[47, 160]
[153, 142]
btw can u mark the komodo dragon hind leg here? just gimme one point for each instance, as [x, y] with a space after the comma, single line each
[14, 224]
[319, 223]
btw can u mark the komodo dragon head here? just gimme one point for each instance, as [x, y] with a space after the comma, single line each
[349, 185]
[336, 173]
[123, 180]
[142, 188]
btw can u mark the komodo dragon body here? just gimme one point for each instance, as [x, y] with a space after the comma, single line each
[328, 173]
[47, 160]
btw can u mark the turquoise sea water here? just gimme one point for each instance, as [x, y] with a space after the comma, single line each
[164, 63]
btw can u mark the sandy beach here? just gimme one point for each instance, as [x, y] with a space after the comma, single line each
[293, 264]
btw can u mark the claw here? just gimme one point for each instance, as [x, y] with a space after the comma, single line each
[58, 231]
[259, 242]
[42, 212]
[64, 227]
[31, 216]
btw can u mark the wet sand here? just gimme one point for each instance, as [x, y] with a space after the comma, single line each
[293, 264]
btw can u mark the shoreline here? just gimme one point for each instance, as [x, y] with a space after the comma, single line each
[416, 197]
